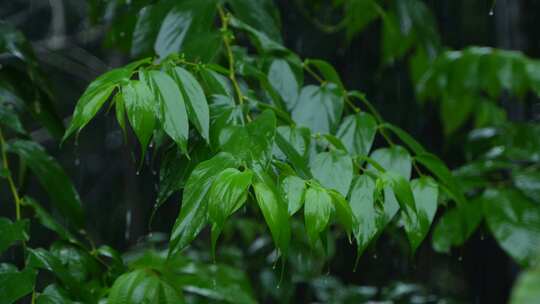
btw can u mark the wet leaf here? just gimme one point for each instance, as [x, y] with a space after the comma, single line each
[293, 189]
[282, 78]
[172, 109]
[357, 133]
[193, 212]
[317, 211]
[140, 106]
[334, 170]
[514, 222]
[319, 108]
[52, 177]
[197, 106]
[417, 224]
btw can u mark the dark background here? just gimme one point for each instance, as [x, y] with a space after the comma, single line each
[118, 202]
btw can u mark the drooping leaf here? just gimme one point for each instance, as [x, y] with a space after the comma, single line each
[282, 78]
[193, 212]
[357, 133]
[317, 211]
[15, 284]
[343, 210]
[402, 191]
[140, 107]
[371, 218]
[514, 222]
[11, 232]
[143, 286]
[417, 224]
[252, 143]
[172, 110]
[293, 189]
[223, 114]
[97, 93]
[52, 177]
[262, 42]
[456, 226]
[196, 104]
[319, 108]
[47, 220]
[227, 194]
[53, 294]
[293, 145]
[274, 210]
[334, 170]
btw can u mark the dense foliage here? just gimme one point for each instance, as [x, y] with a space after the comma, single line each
[250, 133]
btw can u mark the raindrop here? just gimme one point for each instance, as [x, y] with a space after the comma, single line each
[138, 172]
[128, 225]
[482, 237]
[460, 258]
[491, 12]
[77, 161]
[154, 172]
[375, 256]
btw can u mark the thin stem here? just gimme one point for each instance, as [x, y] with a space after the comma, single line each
[227, 42]
[416, 168]
[312, 73]
[10, 178]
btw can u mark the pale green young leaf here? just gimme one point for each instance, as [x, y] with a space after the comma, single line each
[334, 170]
[294, 190]
[317, 211]
[319, 108]
[357, 133]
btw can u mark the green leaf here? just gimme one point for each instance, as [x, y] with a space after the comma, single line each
[327, 70]
[402, 191]
[143, 286]
[425, 197]
[12, 232]
[175, 168]
[252, 143]
[319, 108]
[443, 174]
[197, 106]
[172, 110]
[394, 159]
[53, 179]
[293, 145]
[227, 194]
[357, 133]
[371, 219]
[193, 212]
[260, 14]
[223, 113]
[514, 222]
[120, 111]
[525, 290]
[214, 83]
[182, 25]
[282, 78]
[274, 210]
[317, 211]
[456, 226]
[42, 259]
[343, 211]
[334, 170]
[47, 220]
[97, 93]
[9, 119]
[140, 106]
[262, 41]
[294, 190]
[15, 284]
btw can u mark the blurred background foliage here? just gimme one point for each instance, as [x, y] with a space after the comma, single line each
[461, 76]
